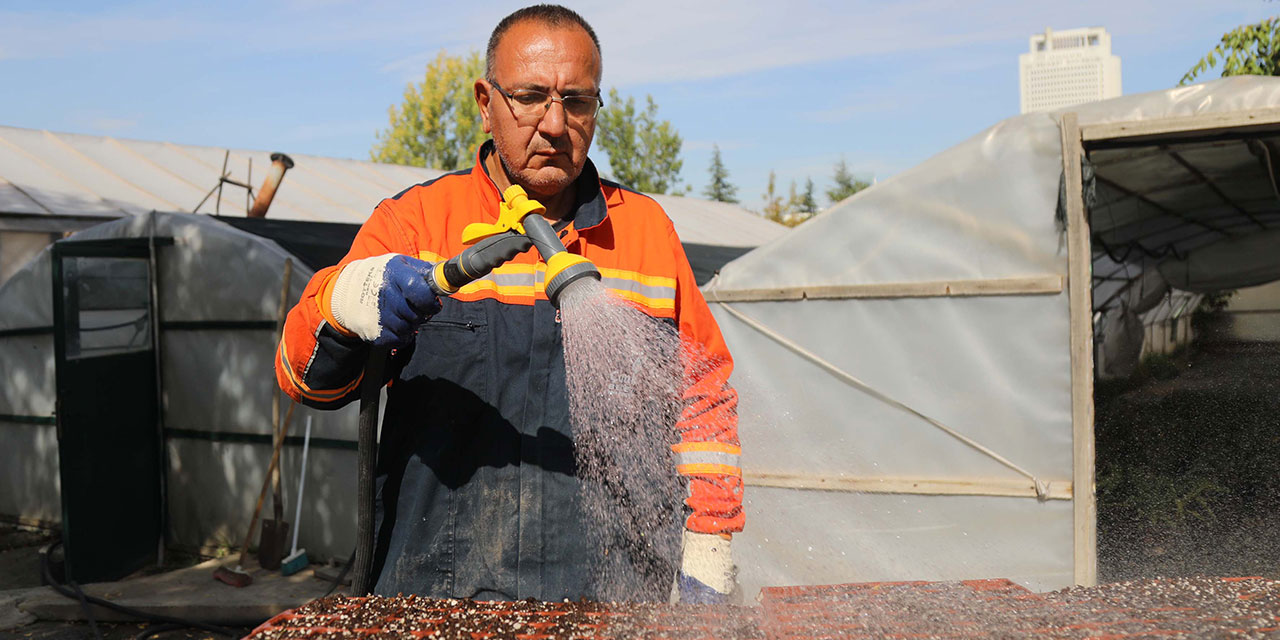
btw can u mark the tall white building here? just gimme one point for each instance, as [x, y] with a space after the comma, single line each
[1065, 68]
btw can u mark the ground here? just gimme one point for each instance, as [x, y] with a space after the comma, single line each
[1189, 466]
[20, 570]
[1188, 476]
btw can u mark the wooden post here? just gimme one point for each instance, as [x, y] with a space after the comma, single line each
[1080, 291]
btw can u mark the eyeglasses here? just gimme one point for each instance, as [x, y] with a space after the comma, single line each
[529, 105]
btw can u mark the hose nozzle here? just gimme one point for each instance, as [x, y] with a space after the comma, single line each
[519, 224]
[563, 268]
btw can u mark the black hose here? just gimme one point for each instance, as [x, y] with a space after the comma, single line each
[366, 463]
[341, 574]
[84, 602]
[86, 599]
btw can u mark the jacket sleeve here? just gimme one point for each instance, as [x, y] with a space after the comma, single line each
[318, 363]
[708, 451]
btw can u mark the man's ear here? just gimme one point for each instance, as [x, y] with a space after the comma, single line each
[482, 91]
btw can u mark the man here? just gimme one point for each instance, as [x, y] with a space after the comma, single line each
[477, 493]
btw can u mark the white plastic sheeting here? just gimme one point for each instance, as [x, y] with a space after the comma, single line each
[216, 382]
[49, 174]
[47, 177]
[844, 404]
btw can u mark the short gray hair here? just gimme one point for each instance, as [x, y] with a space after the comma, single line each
[551, 15]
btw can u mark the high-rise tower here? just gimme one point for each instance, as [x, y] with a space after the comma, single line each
[1065, 68]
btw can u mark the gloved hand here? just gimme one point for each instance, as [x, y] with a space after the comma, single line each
[384, 298]
[707, 574]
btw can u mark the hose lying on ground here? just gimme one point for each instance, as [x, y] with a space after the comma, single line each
[86, 599]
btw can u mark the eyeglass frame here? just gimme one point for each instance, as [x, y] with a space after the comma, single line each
[550, 99]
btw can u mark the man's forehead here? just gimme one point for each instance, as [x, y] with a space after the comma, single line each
[531, 41]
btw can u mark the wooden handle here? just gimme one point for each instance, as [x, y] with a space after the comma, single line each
[266, 482]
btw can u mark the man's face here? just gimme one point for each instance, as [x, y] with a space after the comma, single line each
[544, 157]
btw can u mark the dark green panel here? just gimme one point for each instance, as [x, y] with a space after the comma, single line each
[109, 446]
[110, 465]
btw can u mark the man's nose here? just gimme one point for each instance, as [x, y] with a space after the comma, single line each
[553, 124]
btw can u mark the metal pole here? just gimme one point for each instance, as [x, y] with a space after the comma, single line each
[153, 266]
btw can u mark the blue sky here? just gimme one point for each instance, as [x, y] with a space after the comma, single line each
[791, 87]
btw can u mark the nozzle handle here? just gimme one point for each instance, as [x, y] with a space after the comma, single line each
[543, 236]
[476, 261]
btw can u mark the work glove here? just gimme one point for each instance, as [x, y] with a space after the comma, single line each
[707, 574]
[384, 298]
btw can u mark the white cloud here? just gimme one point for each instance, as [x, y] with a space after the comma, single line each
[301, 25]
[680, 41]
[661, 41]
[55, 34]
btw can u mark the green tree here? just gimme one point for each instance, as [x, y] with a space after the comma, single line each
[775, 208]
[1252, 49]
[438, 124]
[719, 189]
[846, 185]
[799, 206]
[807, 205]
[644, 152]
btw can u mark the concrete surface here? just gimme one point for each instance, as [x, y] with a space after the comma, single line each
[189, 593]
[11, 617]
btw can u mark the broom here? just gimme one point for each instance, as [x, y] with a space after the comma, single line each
[297, 561]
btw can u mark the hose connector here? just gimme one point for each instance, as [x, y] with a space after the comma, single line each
[439, 278]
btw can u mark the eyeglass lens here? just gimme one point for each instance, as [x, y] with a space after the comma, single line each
[531, 103]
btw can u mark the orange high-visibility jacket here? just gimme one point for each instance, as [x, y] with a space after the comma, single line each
[476, 434]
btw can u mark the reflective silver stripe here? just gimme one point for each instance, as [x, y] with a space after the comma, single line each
[648, 291]
[621, 284]
[512, 279]
[707, 457]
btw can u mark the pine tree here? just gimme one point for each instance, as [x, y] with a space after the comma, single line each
[846, 185]
[808, 206]
[719, 189]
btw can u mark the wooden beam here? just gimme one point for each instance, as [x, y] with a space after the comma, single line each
[1000, 487]
[1046, 284]
[1080, 291]
[1206, 124]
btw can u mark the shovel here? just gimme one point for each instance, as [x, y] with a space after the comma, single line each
[274, 539]
[275, 532]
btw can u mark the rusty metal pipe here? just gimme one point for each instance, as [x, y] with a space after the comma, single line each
[280, 163]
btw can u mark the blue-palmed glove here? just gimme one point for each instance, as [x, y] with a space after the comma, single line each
[384, 298]
[707, 574]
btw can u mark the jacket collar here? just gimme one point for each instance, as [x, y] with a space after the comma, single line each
[589, 208]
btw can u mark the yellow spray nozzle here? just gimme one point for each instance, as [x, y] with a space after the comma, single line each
[516, 204]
